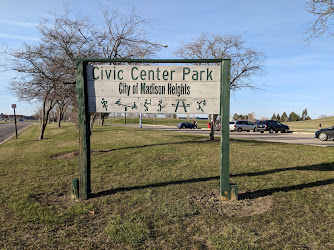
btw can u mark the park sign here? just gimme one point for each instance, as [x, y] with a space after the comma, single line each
[153, 89]
[126, 85]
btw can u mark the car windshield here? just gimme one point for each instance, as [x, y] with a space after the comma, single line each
[231, 122]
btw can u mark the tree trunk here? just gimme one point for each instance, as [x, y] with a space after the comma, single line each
[212, 132]
[212, 127]
[61, 112]
[43, 125]
[45, 120]
[45, 115]
[102, 119]
[92, 120]
[59, 117]
[41, 134]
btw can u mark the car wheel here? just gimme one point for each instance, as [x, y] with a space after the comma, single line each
[286, 130]
[254, 130]
[239, 129]
[323, 137]
[276, 132]
[261, 132]
[271, 131]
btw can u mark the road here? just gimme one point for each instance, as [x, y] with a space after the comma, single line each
[7, 130]
[293, 137]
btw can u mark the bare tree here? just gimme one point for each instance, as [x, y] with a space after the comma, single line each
[123, 37]
[118, 37]
[323, 11]
[36, 79]
[251, 117]
[43, 69]
[245, 62]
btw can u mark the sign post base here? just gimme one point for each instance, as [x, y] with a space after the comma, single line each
[75, 189]
[230, 194]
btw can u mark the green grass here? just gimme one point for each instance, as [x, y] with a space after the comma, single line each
[159, 121]
[159, 190]
[312, 124]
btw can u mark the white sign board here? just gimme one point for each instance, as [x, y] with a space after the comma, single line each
[153, 89]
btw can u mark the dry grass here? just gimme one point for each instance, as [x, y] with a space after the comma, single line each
[312, 124]
[159, 190]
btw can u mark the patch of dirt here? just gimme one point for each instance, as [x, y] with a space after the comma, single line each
[168, 158]
[53, 199]
[73, 154]
[240, 208]
[67, 155]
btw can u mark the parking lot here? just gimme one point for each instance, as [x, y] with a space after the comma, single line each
[291, 137]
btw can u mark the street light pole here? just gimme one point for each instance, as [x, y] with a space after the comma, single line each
[141, 120]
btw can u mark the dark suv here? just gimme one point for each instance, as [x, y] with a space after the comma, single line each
[271, 126]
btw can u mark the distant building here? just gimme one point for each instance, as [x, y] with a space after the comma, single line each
[18, 117]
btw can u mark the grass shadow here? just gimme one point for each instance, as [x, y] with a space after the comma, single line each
[271, 191]
[242, 196]
[318, 167]
[153, 185]
[72, 154]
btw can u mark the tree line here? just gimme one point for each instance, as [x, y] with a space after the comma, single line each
[292, 117]
[280, 118]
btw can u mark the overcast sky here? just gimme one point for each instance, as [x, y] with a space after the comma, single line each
[298, 75]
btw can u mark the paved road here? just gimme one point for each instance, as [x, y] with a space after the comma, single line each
[295, 138]
[7, 130]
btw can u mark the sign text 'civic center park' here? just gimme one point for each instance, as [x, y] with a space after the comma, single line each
[153, 89]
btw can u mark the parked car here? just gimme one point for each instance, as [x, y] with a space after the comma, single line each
[271, 126]
[186, 125]
[325, 133]
[242, 126]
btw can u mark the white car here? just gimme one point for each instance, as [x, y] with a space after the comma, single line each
[242, 126]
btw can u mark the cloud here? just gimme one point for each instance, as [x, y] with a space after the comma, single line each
[19, 37]
[18, 23]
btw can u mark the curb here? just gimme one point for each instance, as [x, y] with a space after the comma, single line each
[10, 137]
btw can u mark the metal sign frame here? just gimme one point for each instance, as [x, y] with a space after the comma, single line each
[81, 187]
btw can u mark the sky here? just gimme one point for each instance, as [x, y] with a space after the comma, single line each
[298, 74]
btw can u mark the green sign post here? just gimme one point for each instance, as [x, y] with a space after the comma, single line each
[139, 88]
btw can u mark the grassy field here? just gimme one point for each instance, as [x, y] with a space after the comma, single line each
[159, 190]
[159, 121]
[312, 124]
